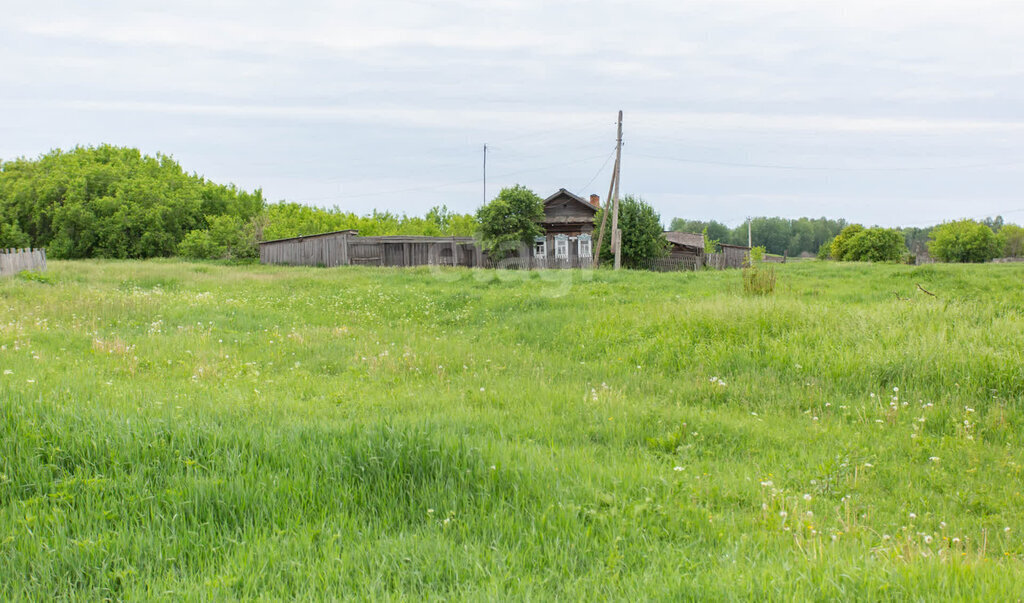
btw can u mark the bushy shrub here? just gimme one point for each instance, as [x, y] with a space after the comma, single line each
[963, 241]
[858, 244]
[226, 238]
[643, 238]
[841, 241]
[825, 251]
[876, 245]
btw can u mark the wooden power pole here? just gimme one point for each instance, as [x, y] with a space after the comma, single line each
[612, 203]
[616, 233]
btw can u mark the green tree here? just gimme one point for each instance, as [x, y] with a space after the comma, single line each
[875, 245]
[12, 236]
[1011, 241]
[112, 201]
[716, 231]
[511, 219]
[839, 244]
[643, 238]
[963, 241]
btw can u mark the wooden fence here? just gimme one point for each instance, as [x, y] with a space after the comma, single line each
[13, 261]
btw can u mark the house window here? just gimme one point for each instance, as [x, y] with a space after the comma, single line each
[583, 246]
[540, 247]
[561, 247]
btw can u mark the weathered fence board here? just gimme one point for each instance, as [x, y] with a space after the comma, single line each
[13, 261]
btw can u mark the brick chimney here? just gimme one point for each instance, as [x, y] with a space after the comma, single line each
[595, 200]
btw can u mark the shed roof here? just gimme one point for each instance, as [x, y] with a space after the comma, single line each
[319, 234]
[686, 239]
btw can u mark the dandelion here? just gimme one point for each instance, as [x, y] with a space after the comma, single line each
[1007, 529]
[807, 497]
[872, 394]
[677, 468]
[942, 525]
[764, 506]
[886, 537]
[933, 459]
[810, 513]
[895, 389]
[927, 539]
[913, 516]
[767, 483]
[956, 540]
[430, 511]
[783, 514]
[481, 389]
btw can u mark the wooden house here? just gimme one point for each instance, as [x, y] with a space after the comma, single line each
[568, 230]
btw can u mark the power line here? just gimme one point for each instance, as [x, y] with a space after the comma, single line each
[583, 189]
[446, 185]
[774, 166]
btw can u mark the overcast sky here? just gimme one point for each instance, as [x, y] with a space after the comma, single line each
[883, 112]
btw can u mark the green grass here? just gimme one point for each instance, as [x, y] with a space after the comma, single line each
[177, 430]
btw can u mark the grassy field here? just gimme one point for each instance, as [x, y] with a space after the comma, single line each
[180, 430]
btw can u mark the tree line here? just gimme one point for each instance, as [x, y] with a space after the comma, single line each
[115, 202]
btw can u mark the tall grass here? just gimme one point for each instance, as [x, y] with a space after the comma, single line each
[174, 431]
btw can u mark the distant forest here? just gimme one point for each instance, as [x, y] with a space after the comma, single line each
[115, 202]
[802, 235]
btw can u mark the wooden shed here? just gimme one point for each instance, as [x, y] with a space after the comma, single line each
[735, 256]
[346, 248]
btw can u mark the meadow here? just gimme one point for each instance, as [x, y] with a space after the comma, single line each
[203, 431]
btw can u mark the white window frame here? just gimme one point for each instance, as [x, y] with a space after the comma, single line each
[581, 248]
[540, 247]
[561, 247]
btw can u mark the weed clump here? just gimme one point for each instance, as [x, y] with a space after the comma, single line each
[758, 279]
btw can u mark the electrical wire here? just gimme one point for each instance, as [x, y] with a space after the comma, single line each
[774, 166]
[584, 188]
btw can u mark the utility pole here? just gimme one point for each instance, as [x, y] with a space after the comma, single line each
[485, 173]
[616, 233]
[613, 188]
[750, 242]
[604, 214]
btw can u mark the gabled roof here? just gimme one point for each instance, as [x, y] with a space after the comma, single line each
[564, 193]
[686, 239]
